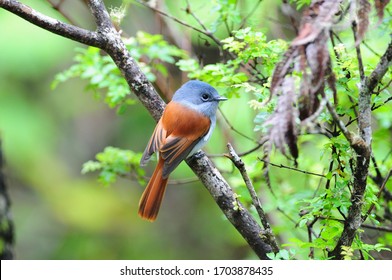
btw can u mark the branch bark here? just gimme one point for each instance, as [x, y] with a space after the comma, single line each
[362, 147]
[108, 39]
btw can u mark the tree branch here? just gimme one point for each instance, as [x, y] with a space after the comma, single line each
[378, 228]
[224, 196]
[292, 168]
[233, 156]
[101, 15]
[363, 152]
[109, 40]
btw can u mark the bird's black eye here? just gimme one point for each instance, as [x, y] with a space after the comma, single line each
[205, 96]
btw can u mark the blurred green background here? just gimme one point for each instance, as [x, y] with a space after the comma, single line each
[48, 134]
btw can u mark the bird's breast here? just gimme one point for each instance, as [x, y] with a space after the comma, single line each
[183, 121]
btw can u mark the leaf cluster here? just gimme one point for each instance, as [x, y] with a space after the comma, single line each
[246, 49]
[113, 163]
[151, 52]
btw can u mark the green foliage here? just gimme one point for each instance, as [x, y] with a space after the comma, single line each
[226, 14]
[155, 51]
[246, 47]
[220, 75]
[329, 230]
[103, 77]
[249, 45]
[365, 249]
[114, 162]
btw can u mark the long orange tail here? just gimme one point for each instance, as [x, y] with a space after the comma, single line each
[153, 194]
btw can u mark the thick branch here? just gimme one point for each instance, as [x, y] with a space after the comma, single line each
[109, 40]
[224, 196]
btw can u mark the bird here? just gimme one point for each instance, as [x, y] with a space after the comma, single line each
[186, 125]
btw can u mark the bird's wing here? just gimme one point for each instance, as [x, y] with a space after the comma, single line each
[184, 127]
[156, 141]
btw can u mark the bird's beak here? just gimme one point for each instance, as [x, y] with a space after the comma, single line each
[220, 98]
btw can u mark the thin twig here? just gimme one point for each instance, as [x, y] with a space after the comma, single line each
[234, 129]
[386, 156]
[384, 87]
[385, 102]
[378, 195]
[311, 249]
[286, 215]
[206, 33]
[292, 168]
[370, 49]
[349, 136]
[287, 10]
[252, 70]
[373, 108]
[378, 177]
[258, 146]
[255, 199]
[358, 51]
[249, 14]
[378, 228]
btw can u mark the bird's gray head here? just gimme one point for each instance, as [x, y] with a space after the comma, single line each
[199, 96]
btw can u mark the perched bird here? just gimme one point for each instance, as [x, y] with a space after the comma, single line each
[185, 126]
